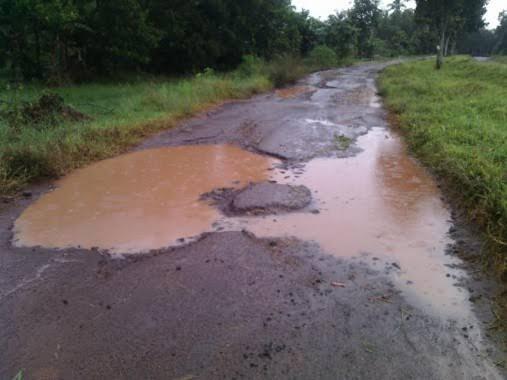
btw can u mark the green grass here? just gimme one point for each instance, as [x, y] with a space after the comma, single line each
[122, 114]
[500, 59]
[455, 121]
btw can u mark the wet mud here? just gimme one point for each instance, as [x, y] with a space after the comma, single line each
[350, 275]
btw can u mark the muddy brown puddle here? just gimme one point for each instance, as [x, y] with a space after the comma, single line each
[378, 204]
[139, 201]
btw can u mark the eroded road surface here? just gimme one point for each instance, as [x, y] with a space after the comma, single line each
[289, 236]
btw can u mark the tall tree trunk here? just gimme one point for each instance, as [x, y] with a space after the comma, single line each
[453, 48]
[446, 48]
[38, 52]
[440, 51]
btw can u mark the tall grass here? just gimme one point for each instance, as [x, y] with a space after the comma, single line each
[455, 121]
[121, 113]
[500, 58]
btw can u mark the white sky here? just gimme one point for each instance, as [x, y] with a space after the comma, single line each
[323, 8]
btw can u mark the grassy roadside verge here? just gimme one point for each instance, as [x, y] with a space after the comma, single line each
[120, 115]
[455, 121]
[500, 59]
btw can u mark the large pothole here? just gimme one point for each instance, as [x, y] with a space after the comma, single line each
[139, 201]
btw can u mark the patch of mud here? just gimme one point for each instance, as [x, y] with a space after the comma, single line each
[260, 199]
[140, 201]
[293, 92]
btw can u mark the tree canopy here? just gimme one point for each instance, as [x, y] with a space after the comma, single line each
[56, 40]
[449, 19]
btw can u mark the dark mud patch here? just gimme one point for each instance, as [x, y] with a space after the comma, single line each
[487, 296]
[293, 92]
[263, 198]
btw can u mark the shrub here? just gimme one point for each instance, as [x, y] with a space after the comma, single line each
[322, 57]
[251, 65]
[285, 69]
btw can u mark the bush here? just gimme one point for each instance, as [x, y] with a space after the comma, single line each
[285, 69]
[322, 57]
[49, 110]
[251, 65]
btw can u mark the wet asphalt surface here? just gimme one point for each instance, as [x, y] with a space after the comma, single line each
[230, 305]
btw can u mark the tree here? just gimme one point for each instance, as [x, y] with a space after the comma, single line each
[501, 35]
[397, 6]
[480, 43]
[449, 18]
[340, 35]
[364, 16]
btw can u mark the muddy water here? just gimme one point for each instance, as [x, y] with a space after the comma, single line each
[377, 204]
[139, 201]
[382, 204]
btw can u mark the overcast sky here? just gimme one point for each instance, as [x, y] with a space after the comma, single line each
[323, 8]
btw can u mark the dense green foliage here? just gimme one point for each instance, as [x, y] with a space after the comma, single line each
[449, 19]
[454, 120]
[485, 42]
[500, 46]
[75, 40]
[322, 56]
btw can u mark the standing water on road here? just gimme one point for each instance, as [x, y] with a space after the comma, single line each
[140, 201]
[381, 203]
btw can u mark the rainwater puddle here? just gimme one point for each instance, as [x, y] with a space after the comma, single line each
[381, 203]
[139, 201]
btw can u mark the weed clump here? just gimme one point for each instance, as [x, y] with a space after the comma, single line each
[49, 110]
[322, 57]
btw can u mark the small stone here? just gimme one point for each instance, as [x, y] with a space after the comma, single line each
[27, 194]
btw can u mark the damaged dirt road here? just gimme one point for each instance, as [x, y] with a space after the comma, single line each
[289, 236]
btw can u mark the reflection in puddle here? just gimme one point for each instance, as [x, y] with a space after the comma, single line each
[139, 201]
[382, 203]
